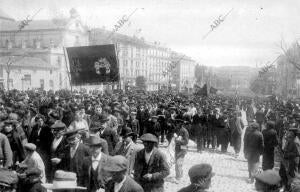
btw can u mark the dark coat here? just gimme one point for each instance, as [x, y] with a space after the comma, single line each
[102, 175]
[128, 186]
[260, 116]
[157, 166]
[33, 187]
[270, 140]
[42, 140]
[253, 145]
[58, 152]
[129, 153]
[76, 164]
[111, 138]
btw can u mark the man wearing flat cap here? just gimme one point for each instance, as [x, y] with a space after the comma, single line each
[200, 177]
[150, 166]
[73, 157]
[95, 163]
[120, 182]
[34, 160]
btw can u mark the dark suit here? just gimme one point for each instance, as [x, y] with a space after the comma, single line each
[129, 152]
[270, 142]
[128, 186]
[111, 138]
[96, 178]
[157, 166]
[42, 140]
[76, 164]
[57, 153]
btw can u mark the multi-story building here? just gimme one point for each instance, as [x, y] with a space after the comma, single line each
[183, 74]
[136, 58]
[33, 57]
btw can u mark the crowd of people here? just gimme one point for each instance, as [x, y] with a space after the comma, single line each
[79, 141]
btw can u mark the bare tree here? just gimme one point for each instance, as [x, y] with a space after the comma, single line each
[291, 54]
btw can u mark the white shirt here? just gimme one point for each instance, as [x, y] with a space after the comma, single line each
[118, 186]
[147, 156]
[56, 142]
[95, 161]
[73, 150]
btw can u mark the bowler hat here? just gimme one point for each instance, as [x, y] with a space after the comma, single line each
[30, 146]
[148, 137]
[72, 133]
[201, 170]
[127, 132]
[63, 180]
[116, 164]
[8, 178]
[95, 141]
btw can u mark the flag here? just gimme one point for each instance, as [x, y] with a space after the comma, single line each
[92, 65]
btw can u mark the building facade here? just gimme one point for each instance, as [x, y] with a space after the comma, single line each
[183, 73]
[33, 57]
[136, 58]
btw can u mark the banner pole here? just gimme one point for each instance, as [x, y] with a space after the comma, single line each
[68, 72]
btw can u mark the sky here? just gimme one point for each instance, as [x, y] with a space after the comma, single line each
[250, 34]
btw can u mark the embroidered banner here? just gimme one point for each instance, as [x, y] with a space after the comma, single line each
[92, 65]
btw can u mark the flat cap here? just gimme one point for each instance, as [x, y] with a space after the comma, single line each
[149, 137]
[33, 172]
[201, 170]
[8, 178]
[30, 146]
[270, 177]
[116, 163]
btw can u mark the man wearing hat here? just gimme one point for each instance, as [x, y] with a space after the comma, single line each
[200, 177]
[31, 181]
[6, 154]
[253, 148]
[34, 160]
[108, 134]
[117, 167]
[16, 141]
[127, 148]
[58, 143]
[153, 126]
[97, 177]
[134, 124]
[150, 167]
[270, 142]
[181, 141]
[8, 180]
[64, 181]
[73, 157]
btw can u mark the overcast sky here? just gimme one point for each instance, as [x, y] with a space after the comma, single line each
[249, 35]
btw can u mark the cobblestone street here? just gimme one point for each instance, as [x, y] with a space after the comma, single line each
[230, 173]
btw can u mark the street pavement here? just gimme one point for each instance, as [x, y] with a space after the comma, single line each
[230, 173]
